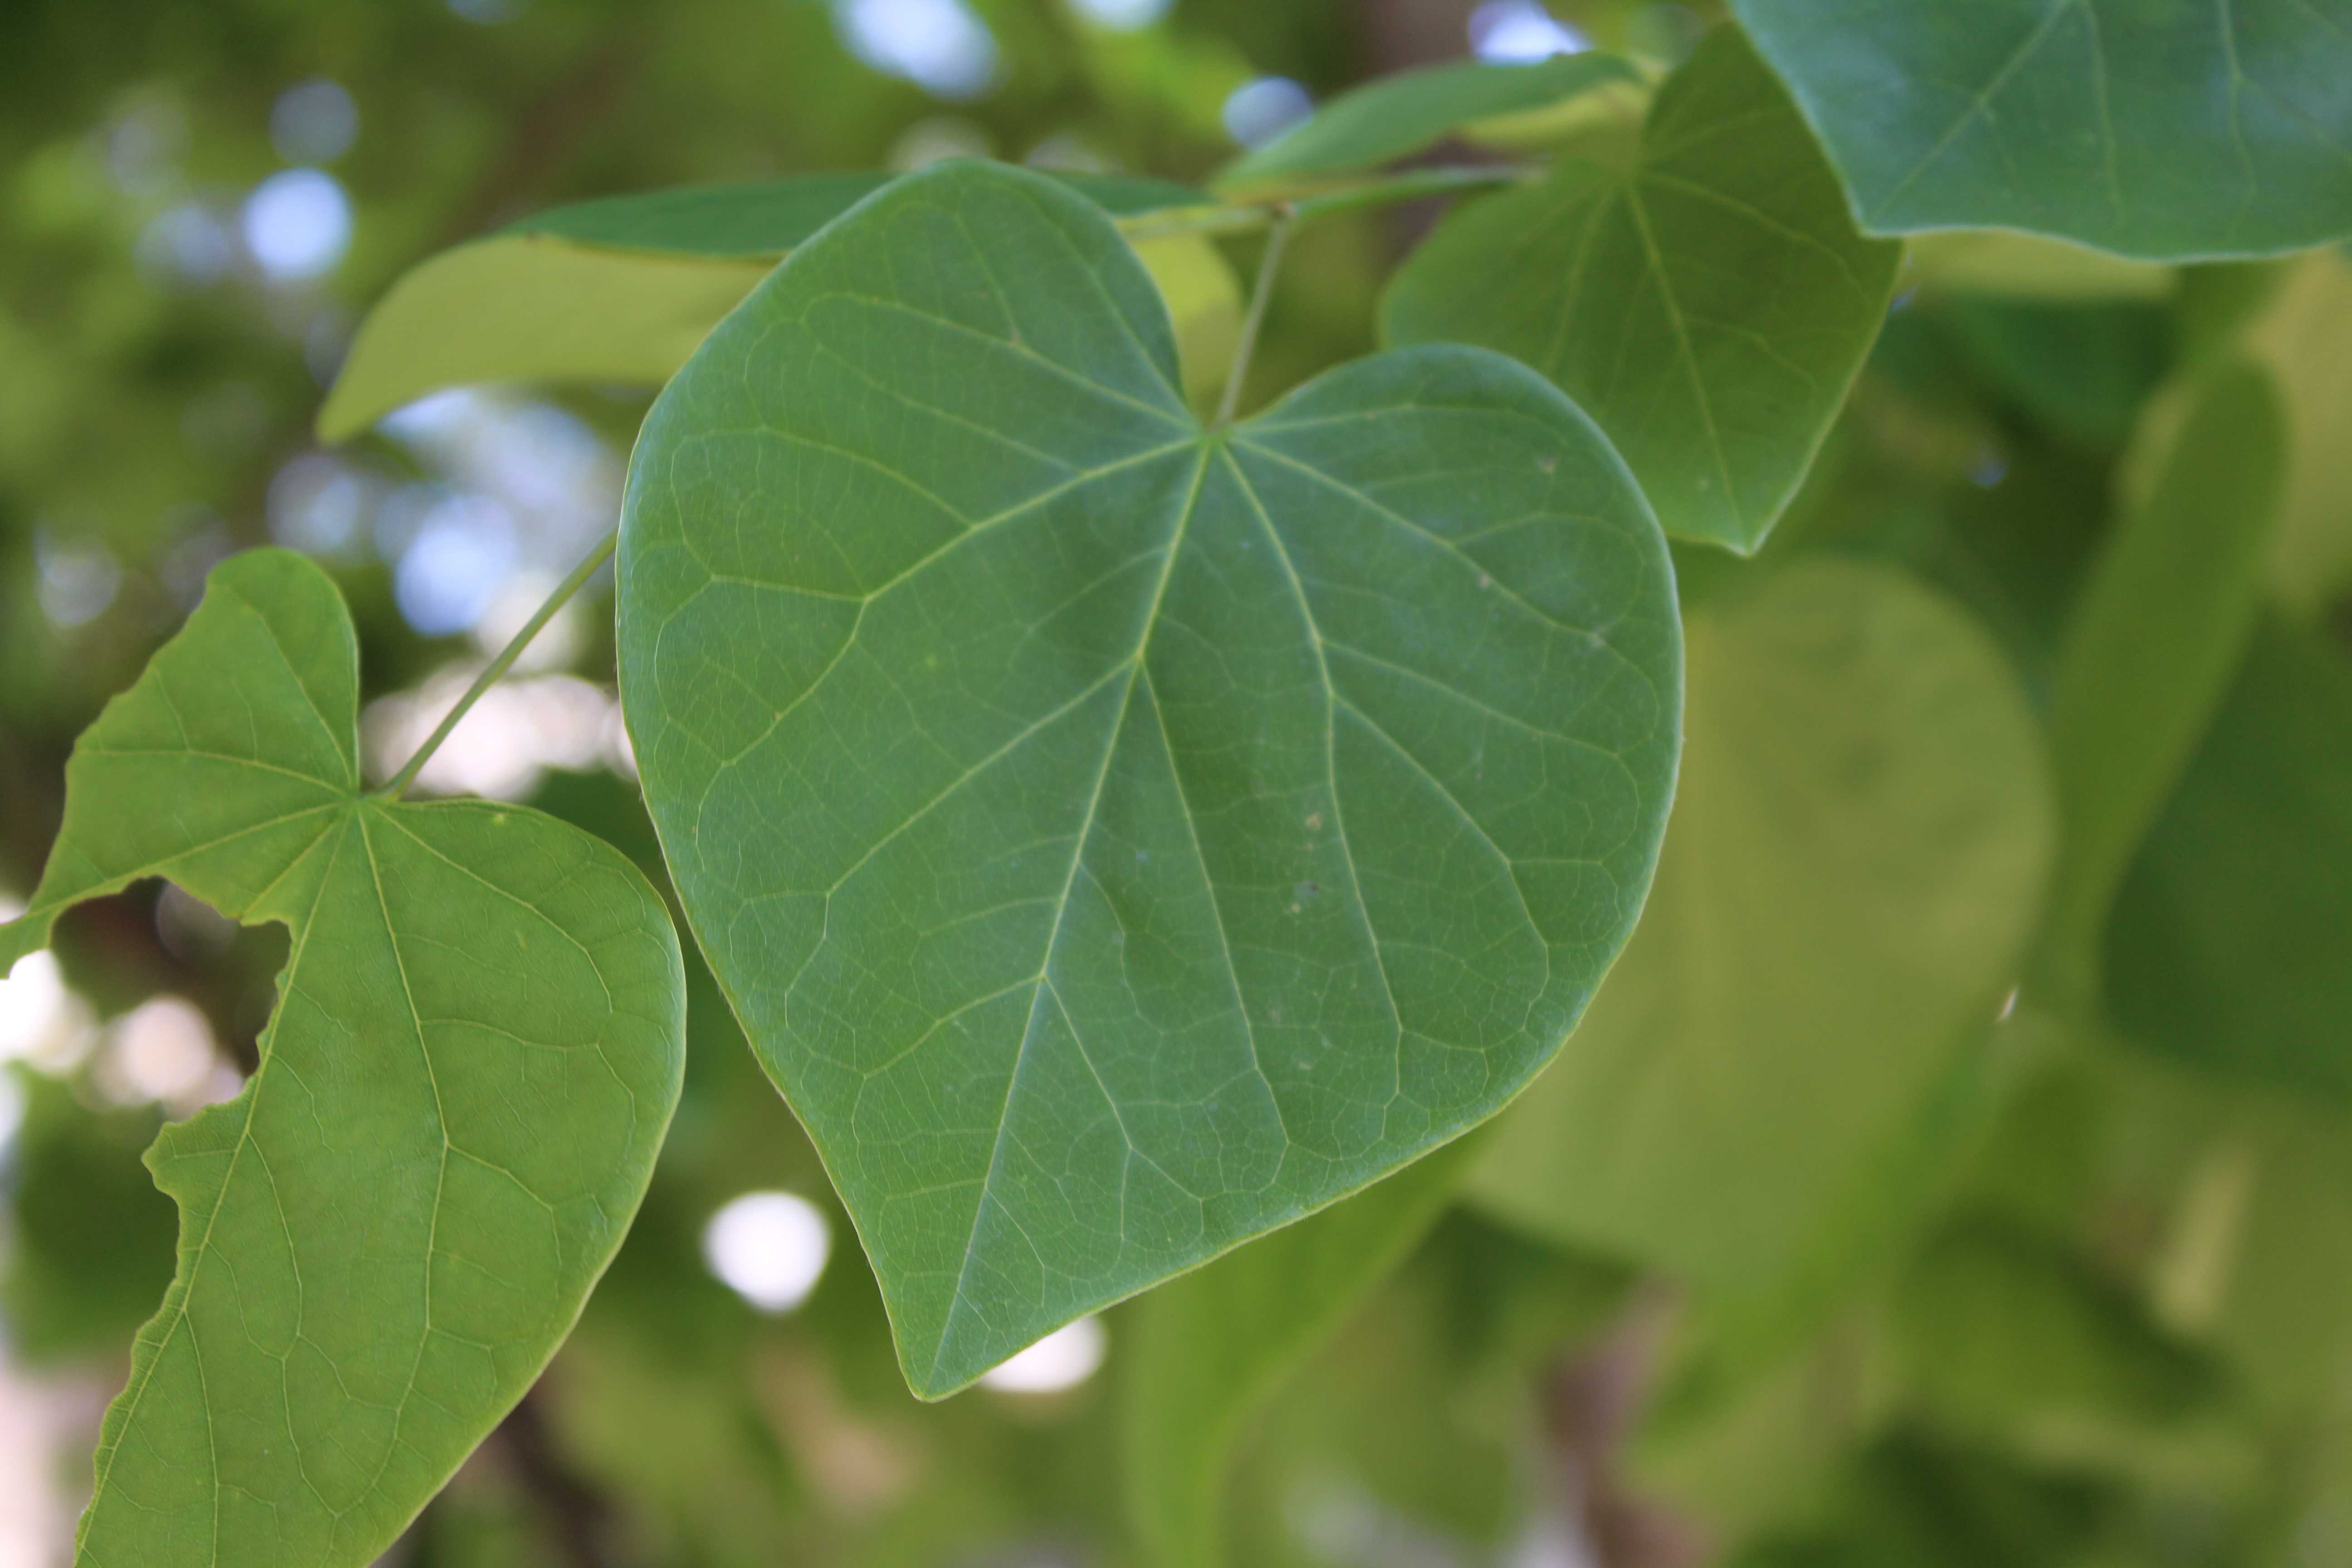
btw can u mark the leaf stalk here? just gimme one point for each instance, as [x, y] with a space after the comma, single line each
[497, 669]
[1260, 294]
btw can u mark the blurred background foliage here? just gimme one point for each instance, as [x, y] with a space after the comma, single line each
[2111, 1326]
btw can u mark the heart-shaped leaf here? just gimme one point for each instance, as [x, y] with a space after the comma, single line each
[1119, 838]
[2168, 131]
[476, 1052]
[1708, 305]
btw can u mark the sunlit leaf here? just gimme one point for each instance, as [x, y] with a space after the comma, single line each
[1205, 305]
[617, 291]
[1410, 109]
[515, 307]
[477, 1048]
[1855, 856]
[1708, 305]
[1211, 1347]
[2303, 337]
[2160, 626]
[2198, 128]
[1120, 839]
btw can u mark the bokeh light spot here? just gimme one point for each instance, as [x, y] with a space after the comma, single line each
[313, 122]
[769, 1249]
[1123, 15]
[1062, 1359]
[296, 224]
[939, 45]
[1258, 111]
[1514, 32]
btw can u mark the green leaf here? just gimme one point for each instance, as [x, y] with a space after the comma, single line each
[762, 222]
[2177, 131]
[1855, 857]
[2160, 626]
[2014, 1339]
[477, 1049]
[754, 222]
[1210, 1348]
[617, 292]
[1389, 1440]
[2303, 337]
[1709, 305]
[1412, 110]
[2082, 371]
[2031, 267]
[1205, 305]
[1120, 839]
[2227, 944]
[521, 307]
[1914, 1495]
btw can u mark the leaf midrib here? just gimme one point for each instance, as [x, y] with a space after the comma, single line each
[1219, 445]
[1209, 443]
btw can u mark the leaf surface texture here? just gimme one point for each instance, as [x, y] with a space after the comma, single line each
[2159, 128]
[1120, 838]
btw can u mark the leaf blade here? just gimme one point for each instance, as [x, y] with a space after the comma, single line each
[339, 1331]
[2195, 132]
[2220, 944]
[763, 221]
[617, 291]
[2159, 628]
[1403, 114]
[1068, 667]
[1710, 306]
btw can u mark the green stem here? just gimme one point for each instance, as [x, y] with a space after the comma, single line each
[498, 667]
[1248, 216]
[1247, 343]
